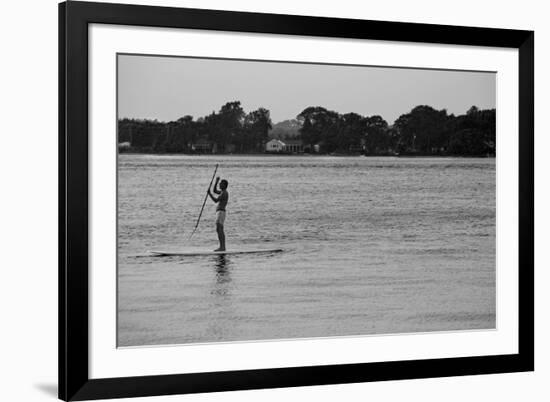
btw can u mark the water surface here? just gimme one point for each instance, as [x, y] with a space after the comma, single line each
[372, 246]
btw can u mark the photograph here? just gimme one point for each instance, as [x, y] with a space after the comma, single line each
[264, 200]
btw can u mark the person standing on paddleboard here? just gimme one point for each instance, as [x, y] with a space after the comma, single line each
[221, 200]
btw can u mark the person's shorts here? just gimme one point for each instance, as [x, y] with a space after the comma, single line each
[220, 217]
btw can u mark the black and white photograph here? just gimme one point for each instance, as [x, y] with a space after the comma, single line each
[270, 200]
[244, 201]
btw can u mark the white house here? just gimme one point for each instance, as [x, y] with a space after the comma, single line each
[275, 145]
[294, 146]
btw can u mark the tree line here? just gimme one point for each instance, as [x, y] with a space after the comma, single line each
[422, 131]
[228, 130]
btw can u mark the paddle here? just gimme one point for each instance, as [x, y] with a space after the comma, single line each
[203, 204]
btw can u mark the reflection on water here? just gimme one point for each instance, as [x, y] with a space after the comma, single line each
[223, 278]
[372, 245]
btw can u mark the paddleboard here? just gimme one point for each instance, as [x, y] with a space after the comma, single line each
[188, 253]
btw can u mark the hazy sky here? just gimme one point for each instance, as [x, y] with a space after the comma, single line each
[167, 88]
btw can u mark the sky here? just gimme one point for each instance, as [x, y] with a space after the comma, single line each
[167, 88]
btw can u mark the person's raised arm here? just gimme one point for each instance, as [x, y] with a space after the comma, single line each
[216, 188]
[215, 199]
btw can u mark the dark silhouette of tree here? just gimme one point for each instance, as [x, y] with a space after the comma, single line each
[182, 134]
[351, 133]
[474, 133]
[319, 126]
[377, 139]
[311, 119]
[423, 129]
[256, 127]
[230, 124]
[140, 133]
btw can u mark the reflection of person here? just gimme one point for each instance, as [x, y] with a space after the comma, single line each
[222, 271]
[221, 200]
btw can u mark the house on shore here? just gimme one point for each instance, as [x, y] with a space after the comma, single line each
[294, 146]
[275, 146]
[284, 146]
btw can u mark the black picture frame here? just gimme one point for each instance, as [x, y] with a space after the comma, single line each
[74, 381]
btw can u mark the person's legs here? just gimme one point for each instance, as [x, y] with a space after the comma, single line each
[220, 219]
[221, 237]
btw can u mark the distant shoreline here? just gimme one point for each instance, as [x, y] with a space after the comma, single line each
[271, 155]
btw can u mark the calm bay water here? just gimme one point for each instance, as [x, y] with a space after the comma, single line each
[372, 246]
